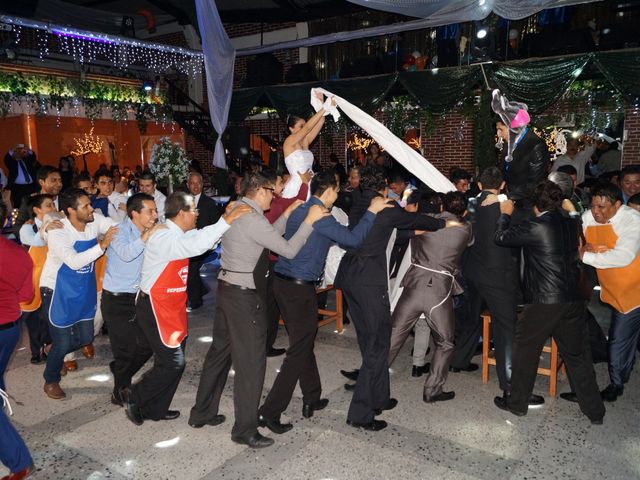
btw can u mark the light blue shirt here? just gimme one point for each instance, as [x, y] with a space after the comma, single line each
[31, 237]
[124, 260]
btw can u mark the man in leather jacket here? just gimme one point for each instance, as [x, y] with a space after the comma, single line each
[553, 306]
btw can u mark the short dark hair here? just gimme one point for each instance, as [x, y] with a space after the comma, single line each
[254, 181]
[609, 191]
[491, 177]
[634, 199]
[3, 213]
[564, 181]
[629, 170]
[134, 203]
[454, 202]
[69, 199]
[36, 201]
[322, 181]
[415, 197]
[147, 175]
[568, 169]
[457, 174]
[373, 177]
[176, 202]
[44, 171]
[81, 177]
[547, 196]
[102, 172]
[431, 202]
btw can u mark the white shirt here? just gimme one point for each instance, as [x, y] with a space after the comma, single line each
[29, 237]
[196, 199]
[61, 241]
[626, 225]
[159, 198]
[115, 199]
[579, 163]
[172, 243]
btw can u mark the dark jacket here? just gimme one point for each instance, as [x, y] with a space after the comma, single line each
[550, 246]
[528, 167]
[367, 265]
[208, 214]
[30, 162]
[485, 262]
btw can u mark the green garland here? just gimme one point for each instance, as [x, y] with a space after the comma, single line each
[48, 93]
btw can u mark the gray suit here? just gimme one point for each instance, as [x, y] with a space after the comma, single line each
[430, 292]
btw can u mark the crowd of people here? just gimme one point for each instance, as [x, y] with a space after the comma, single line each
[519, 240]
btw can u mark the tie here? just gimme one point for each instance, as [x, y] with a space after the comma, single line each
[25, 173]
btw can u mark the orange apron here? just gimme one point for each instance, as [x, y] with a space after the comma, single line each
[168, 297]
[100, 267]
[620, 286]
[38, 255]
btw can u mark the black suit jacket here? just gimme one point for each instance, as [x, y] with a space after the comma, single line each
[208, 214]
[528, 167]
[30, 162]
[486, 262]
[367, 265]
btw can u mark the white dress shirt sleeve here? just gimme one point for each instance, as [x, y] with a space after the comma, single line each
[627, 247]
[61, 245]
[191, 244]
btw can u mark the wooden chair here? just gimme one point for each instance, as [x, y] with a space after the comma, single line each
[488, 357]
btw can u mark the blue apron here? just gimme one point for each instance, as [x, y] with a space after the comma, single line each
[74, 298]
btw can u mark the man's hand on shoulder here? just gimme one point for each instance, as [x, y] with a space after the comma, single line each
[237, 212]
[150, 231]
[316, 212]
[380, 203]
[507, 207]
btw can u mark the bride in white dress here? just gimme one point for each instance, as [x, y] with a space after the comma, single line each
[297, 156]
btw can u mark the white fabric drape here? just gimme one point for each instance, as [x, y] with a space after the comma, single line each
[394, 146]
[219, 59]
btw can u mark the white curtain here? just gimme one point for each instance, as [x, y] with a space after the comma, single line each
[219, 58]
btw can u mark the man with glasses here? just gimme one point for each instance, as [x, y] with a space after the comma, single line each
[240, 325]
[161, 304]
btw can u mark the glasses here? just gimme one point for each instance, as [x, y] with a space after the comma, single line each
[194, 210]
[270, 189]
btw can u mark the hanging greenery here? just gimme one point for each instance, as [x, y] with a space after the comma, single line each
[48, 95]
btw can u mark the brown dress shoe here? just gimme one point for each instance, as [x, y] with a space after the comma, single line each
[54, 391]
[71, 365]
[88, 351]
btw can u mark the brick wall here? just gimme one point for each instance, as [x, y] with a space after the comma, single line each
[631, 151]
[243, 29]
[451, 143]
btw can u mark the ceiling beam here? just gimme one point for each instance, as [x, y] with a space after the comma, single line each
[172, 9]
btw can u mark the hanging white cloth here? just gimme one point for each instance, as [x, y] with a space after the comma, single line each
[394, 146]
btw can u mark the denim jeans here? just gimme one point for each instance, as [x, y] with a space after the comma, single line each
[8, 340]
[63, 340]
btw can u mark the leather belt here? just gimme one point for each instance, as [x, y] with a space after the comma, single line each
[233, 285]
[7, 326]
[297, 281]
[141, 294]
[46, 290]
[119, 294]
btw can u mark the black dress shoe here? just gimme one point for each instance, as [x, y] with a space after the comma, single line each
[349, 387]
[116, 400]
[132, 410]
[535, 399]
[352, 375]
[216, 420]
[37, 360]
[597, 421]
[309, 408]
[472, 367]
[502, 404]
[611, 393]
[171, 415]
[274, 425]
[569, 397]
[254, 441]
[419, 371]
[391, 404]
[372, 426]
[276, 352]
[442, 397]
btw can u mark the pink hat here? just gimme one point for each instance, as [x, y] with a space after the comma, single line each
[521, 119]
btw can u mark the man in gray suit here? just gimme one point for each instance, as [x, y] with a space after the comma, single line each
[429, 285]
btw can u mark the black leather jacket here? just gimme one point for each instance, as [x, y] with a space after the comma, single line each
[550, 246]
[528, 168]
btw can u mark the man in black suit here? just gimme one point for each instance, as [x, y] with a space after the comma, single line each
[362, 276]
[491, 275]
[22, 165]
[208, 214]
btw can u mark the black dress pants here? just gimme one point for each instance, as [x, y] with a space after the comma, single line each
[155, 391]
[502, 305]
[38, 329]
[273, 312]
[130, 349]
[299, 307]
[565, 322]
[195, 287]
[370, 312]
[239, 337]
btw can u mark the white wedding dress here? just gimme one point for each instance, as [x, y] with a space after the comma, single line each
[298, 161]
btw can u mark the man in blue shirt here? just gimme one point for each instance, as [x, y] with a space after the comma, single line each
[119, 288]
[295, 291]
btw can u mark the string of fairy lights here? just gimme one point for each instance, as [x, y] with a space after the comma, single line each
[122, 52]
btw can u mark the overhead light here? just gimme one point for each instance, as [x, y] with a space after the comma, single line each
[147, 86]
[481, 33]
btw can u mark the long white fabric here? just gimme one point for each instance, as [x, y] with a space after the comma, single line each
[394, 146]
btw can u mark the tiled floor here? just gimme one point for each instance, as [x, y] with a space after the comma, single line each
[85, 437]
